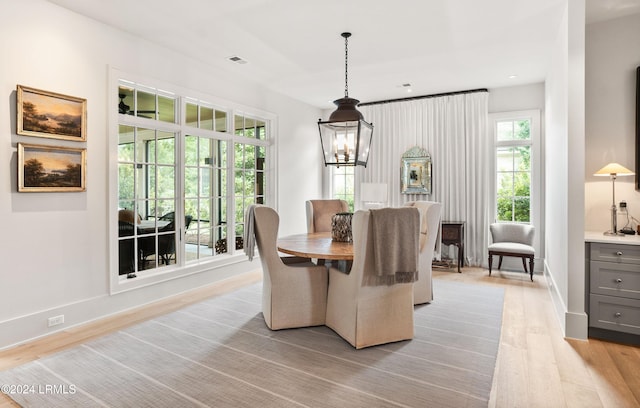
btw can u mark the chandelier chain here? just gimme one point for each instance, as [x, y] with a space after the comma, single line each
[346, 71]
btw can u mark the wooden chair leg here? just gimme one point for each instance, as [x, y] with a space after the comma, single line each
[524, 264]
[500, 263]
[531, 268]
[490, 263]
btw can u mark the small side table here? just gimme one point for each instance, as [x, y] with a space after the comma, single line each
[453, 234]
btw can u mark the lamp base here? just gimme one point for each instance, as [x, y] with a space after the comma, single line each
[615, 234]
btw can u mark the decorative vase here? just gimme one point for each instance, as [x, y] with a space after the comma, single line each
[341, 227]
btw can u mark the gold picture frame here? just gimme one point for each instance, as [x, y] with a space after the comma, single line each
[49, 114]
[415, 172]
[43, 169]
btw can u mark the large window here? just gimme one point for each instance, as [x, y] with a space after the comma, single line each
[205, 198]
[515, 137]
[249, 169]
[147, 192]
[183, 179]
[343, 181]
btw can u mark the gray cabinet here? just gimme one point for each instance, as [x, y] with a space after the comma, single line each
[614, 291]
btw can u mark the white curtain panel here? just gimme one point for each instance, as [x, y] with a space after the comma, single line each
[453, 129]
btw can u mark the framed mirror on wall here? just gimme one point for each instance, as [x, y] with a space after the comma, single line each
[415, 172]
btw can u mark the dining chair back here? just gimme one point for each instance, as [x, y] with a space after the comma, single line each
[294, 290]
[366, 315]
[429, 232]
[320, 213]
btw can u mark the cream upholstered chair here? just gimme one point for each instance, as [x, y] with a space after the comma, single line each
[368, 315]
[429, 228]
[320, 212]
[512, 240]
[294, 294]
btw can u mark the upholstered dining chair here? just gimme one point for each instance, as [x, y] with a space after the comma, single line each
[320, 212]
[294, 290]
[429, 230]
[367, 315]
[512, 240]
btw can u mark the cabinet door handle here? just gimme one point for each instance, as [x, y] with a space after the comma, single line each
[618, 280]
[618, 314]
[619, 253]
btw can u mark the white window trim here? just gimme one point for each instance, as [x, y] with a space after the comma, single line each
[116, 283]
[536, 167]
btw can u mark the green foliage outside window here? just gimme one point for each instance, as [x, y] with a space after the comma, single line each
[514, 184]
[249, 180]
[344, 185]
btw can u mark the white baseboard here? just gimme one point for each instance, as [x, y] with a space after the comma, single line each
[22, 329]
[573, 325]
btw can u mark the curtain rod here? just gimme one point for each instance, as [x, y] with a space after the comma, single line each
[411, 98]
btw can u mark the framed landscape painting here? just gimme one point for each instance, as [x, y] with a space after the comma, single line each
[50, 168]
[49, 114]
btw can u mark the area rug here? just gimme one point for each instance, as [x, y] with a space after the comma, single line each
[219, 353]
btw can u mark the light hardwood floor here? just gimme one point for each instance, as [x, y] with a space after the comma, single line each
[536, 366]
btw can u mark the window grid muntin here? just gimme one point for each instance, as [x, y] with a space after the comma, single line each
[146, 201]
[249, 183]
[513, 143]
[262, 126]
[343, 184]
[213, 169]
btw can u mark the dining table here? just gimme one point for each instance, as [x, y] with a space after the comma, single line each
[149, 226]
[318, 245]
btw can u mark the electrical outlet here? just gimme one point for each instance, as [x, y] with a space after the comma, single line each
[56, 320]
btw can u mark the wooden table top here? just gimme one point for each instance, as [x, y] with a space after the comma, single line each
[317, 245]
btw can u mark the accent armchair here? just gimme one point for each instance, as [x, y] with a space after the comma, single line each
[429, 229]
[366, 315]
[512, 240]
[294, 290]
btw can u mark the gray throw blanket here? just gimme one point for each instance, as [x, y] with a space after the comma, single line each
[248, 237]
[395, 234]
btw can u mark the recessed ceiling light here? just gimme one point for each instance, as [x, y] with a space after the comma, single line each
[512, 76]
[406, 86]
[237, 60]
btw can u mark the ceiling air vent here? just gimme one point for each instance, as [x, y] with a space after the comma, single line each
[237, 60]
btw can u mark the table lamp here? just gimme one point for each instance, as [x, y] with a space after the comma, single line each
[614, 170]
[373, 195]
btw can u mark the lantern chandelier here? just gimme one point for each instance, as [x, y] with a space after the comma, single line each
[346, 136]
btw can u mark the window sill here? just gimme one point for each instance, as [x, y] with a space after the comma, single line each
[153, 277]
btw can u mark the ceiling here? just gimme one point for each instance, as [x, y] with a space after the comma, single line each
[294, 46]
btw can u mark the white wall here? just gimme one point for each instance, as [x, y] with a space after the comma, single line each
[564, 173]
[54, 245]
[517, 98]
[525, 98]
[612, 56]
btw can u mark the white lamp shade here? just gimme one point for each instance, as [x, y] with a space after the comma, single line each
[373, 192]
[614, 169]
